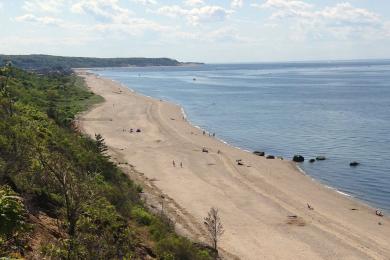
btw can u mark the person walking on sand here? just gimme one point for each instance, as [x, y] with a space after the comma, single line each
[181, 165]
[173, 163]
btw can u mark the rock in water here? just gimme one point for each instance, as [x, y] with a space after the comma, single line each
[259, 153]
[320, 158]
[312, 160]
[353, 164]
[298, 158]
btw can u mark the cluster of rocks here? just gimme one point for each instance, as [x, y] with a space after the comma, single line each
[268, 156]
[299, 158]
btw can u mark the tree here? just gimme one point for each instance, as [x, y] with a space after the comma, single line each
[214, 227]
[100, 144]
[13, 224]
[4, 89]
[74, 186]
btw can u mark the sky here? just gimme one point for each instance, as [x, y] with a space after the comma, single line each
[198, 30]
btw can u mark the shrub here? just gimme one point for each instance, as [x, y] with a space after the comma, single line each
[12, 212]
[12, 223]
[161, 227]
[103, 233]
[141, 216]
[174, 247]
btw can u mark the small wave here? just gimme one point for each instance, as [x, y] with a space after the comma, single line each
[342, 193]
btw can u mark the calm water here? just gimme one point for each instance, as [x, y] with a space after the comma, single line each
[340, 110]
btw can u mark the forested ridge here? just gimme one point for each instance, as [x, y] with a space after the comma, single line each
[60, 195]
[49, 63]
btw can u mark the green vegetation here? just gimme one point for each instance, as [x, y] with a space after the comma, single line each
[12, 219]
[47, 166]
[48, 63]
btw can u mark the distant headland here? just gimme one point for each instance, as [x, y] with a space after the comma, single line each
[48, 63]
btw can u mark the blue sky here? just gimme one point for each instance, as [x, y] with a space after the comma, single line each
[198, 30]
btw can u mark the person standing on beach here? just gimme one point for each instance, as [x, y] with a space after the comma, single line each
[173, 163]
[181, 165]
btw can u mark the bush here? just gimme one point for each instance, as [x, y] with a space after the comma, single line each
[174, 247]
[102, 232]
[12, 223]
[161, 227]
[12, 212]
[141, 216]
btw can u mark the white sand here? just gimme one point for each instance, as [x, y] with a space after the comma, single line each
[254, 200]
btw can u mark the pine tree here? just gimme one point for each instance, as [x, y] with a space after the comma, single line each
[100, 144]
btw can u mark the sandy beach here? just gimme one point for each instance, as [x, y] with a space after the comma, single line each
[262, 203]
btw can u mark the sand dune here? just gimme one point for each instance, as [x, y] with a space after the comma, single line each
[263, 203]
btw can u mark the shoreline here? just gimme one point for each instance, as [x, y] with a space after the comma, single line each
[268, 182]
[302, 171]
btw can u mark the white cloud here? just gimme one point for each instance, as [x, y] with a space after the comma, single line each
[300, 9]
[102, 10]
[198, 15]
[194, 2]
[237, 3]
[340, 21]
[172, 11]
[345, 12]
[145, 2]
[223, 35]
[287, 8]
[112, 17]
[286, 4]
[43, 5]
[132, 26]
[44, 20]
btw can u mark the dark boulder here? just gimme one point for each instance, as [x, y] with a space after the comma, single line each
[298, 158]
[320, 158]
[353, 164]
[312, 160]
[259, 153]
[270, 157]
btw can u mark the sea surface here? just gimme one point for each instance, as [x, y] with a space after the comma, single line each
[340, 110]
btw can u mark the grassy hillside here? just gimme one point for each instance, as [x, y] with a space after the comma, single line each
[44, 63]
[60, 196]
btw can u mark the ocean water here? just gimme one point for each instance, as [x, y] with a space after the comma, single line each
[340, 110]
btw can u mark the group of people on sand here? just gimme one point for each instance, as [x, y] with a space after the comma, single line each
[131, 130]
[204, 133]
[174, 164]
